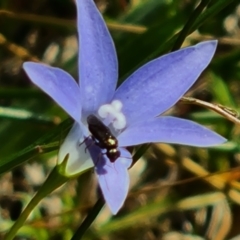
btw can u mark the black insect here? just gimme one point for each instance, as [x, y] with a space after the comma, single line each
[103, 137]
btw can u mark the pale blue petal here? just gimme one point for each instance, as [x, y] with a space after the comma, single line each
[98, 69]
[159, 84]
[169, 130]
[58, 84]
[113, 178]
[79, 160]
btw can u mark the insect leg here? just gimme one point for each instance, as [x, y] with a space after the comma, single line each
[84, 141]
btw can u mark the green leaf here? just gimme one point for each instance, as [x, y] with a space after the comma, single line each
[43, 145]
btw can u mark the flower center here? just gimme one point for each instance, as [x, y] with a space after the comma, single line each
[112, 114]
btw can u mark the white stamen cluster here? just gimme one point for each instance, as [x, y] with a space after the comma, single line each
[113, 113]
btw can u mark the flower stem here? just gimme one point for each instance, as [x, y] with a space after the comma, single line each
[54, 180]
[89, 219]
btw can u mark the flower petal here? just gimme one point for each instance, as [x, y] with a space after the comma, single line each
[169, 130]
[58, 84]
[114, 180]
[97, 58]
[159, 84]
[79, 159]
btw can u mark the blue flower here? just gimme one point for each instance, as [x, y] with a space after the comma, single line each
[131, 111]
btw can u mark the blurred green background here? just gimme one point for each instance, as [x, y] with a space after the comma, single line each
[176, 192]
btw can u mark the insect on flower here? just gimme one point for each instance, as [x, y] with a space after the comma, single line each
[133, 110]
[103, 137]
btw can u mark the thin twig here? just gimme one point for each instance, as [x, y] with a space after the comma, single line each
[226, 112]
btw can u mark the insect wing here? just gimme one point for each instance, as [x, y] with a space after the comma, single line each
[97, 128]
